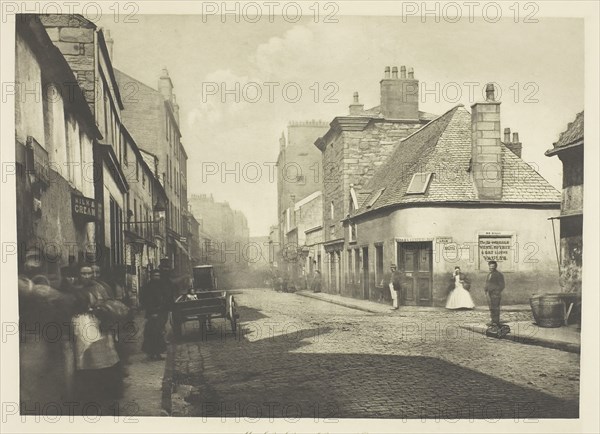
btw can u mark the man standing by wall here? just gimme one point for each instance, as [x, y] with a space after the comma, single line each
[494, 284]
[395, 285]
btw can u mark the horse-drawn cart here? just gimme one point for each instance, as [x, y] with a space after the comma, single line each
[204, 302]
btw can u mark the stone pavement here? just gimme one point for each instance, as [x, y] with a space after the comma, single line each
[526, 332]
[142, 394]
[298, 357]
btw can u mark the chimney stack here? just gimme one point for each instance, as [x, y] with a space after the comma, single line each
[486, 148]
[165, 85]
[356, 108]
[515, 146]
[400, 95]
[282, 141]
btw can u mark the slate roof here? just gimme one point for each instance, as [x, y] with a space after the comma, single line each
[443, 147]
[571, 136]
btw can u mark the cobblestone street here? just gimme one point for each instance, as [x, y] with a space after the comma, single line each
[295, 357]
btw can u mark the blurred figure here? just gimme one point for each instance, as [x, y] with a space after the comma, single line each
[316, 282]
[154, 301]
[98, 375]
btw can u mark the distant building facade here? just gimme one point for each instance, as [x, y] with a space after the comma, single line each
[152, 117]
[299, 175]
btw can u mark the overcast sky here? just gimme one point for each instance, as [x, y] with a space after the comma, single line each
[539, 67]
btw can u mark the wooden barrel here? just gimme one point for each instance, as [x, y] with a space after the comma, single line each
[548, 310]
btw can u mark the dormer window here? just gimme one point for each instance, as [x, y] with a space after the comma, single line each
[419, 183]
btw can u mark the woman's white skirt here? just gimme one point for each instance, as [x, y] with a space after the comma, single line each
[459, 298]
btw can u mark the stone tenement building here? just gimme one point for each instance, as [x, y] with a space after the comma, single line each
[226, 228]
[452, 194]
[354, 146]
[152, 116]
[299, 172]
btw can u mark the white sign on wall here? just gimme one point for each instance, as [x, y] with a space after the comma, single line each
[496, 248]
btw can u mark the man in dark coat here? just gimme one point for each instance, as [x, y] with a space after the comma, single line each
[494, 285]
[396, 283]
[155, 301]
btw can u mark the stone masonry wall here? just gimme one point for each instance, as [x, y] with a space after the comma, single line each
[74, 38]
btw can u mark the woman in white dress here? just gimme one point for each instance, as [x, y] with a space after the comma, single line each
[459, 297]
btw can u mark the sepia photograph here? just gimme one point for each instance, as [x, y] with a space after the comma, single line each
[299, 216]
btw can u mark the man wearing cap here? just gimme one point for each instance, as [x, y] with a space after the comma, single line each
[395, 285]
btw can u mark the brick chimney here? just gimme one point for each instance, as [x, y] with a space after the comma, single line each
[486, 150]
[515, 146]
[399, 95]
[356, 108]
[165, 85]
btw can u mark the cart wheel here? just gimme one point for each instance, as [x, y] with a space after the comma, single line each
[233, 315]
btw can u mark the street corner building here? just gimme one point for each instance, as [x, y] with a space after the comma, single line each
[569, 148]
[429, 193]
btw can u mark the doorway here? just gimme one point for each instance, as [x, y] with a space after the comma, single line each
[415, 262]
[365, 270]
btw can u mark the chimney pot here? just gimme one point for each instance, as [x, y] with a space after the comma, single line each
[506, 135]
[515, 137]
[395, 72]
[386, 73]
[489, 92]
[411, 73]
[355, 97]
[403, 71]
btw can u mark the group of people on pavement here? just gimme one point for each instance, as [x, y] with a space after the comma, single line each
[459, 287]
[85, 354]
[84, 361]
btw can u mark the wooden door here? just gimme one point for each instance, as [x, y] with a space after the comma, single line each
[415, 262]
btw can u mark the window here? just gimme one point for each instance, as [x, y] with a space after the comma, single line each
[374, 198]
[332, 211]
[135, 220]
[357, 265]
[352, 232]
[350, 267]
[419, 183]
[125, 146]
[141, 218]
[379, 264]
